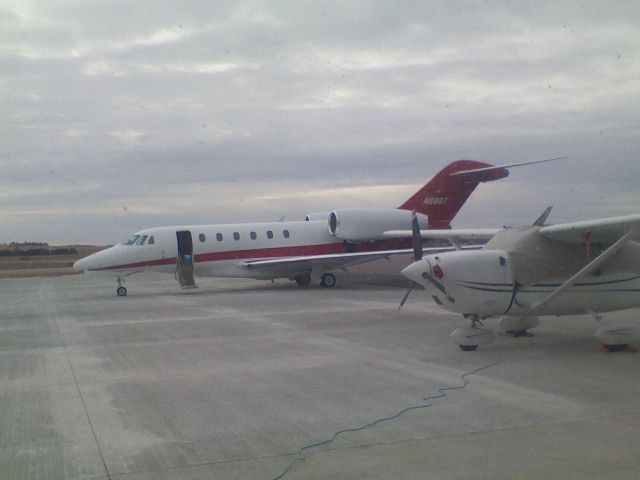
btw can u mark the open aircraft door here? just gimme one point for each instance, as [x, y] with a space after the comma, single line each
[184, 267]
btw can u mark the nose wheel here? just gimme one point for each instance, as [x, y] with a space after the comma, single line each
[470, 337]
[121, 291]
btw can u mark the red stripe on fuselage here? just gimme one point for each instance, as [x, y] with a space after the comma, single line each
[273, 252]
[146, 263]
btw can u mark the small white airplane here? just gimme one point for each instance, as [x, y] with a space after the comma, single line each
[588, 267]
[300, 251]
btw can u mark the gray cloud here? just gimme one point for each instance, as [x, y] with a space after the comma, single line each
[190, 112]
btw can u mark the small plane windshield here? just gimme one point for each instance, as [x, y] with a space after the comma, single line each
[131, 240]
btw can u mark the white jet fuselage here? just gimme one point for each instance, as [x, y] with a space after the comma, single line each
[218, 250]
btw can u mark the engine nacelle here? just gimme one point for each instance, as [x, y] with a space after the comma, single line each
[317, 216]
[476, 282]
[367, 224]
[517, 324]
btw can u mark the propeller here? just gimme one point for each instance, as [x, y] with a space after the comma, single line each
[416, 240]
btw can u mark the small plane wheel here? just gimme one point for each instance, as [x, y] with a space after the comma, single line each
[327, 280]
[303, 280]
[121, 291]
[468, 348]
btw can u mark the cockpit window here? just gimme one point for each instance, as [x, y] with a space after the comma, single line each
[141, 240]
[131, 240]
[151, 240]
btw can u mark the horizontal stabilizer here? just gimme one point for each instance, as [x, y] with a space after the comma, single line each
[471, 172]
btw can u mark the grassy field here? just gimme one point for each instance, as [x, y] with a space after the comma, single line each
[43, 265]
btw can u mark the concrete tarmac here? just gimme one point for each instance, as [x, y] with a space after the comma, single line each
[231, 380]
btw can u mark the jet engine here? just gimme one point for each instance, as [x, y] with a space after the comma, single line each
[367, 224]
[316, 216]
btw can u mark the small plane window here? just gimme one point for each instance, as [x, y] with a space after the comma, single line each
[253, 235]
[141, 240]
[131, 240]
[236, 236]
[285, 233]
[201, 237]
[219, 237]
[269, 234]
[151, 240]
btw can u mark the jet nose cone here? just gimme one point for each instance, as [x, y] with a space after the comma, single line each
[80, 265]
[414, 271]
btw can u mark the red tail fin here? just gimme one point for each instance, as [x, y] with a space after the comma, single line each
[444, 195]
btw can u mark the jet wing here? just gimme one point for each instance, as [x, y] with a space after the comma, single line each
[604, 230]
[453, 235]
[324, 263]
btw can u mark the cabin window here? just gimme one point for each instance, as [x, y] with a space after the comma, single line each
[201, 237]
[151, 240]
[236, 236]
[269, 234]
[141, 240]
[253, 235]
[219, 237]
[285, 233]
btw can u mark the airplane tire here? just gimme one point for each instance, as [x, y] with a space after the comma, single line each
[468, 348]
[121, 291]
[303, 280]
[327, 280]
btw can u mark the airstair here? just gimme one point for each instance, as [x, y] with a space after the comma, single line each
[184, 272]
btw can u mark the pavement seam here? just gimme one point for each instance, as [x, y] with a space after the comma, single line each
[84, 405]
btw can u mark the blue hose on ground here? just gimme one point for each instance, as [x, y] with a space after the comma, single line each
[442, 392]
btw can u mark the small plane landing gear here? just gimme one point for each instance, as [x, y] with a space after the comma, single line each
[518, 327]
[519, 333]
[303, 280]
[121, 291]
[468, 348]
[616, 337]
[621, 347]
[327, 280]
[468, 338]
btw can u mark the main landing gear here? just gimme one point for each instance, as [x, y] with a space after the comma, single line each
[616, 337]
[121, 291]
[303, 280]
[327, 280]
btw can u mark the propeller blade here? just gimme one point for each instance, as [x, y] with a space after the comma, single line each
[416, 238]
[406, 295]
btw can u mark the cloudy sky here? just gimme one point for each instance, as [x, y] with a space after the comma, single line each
[117, 115]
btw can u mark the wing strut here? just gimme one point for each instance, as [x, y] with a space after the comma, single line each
[586, 270]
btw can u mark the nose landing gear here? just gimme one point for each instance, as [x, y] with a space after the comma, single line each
[121, 291]
[468, 338]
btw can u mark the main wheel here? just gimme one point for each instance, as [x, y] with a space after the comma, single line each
[327, 280]
[121, 291]
[468, 348]
[303, 280]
